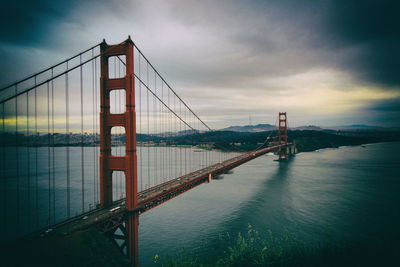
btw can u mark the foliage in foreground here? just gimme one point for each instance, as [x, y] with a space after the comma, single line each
[253, 250]
[244, 250]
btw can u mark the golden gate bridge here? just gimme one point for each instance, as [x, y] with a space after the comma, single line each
[100, 138]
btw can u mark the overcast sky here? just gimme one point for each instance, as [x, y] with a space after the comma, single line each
[324, 62]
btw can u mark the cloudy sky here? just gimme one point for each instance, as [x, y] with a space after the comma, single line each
[324, 62]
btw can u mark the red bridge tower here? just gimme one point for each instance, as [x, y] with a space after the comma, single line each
[127, 163]
[282, 136]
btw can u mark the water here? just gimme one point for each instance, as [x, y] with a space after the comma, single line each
[332, 195]
[349, 194]
[37, 188]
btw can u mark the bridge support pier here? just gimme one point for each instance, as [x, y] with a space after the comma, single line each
[127, 163]
[292, 149]
[133, 244]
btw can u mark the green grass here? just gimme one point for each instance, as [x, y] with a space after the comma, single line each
[252, 249]
[91, 248]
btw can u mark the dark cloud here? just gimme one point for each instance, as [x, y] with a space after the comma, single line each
[386, 113]
[360, 36]
[29, 23]
[37, 23]
[237, 46]
[373, 28]
[365, 21]
[392, 105]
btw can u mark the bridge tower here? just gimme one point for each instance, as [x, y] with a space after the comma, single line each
[282, 136]
[127, 163]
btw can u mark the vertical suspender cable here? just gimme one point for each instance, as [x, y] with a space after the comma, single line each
[201, 148]
[194, 143]
[122, 109]
[48, 151]
[148, 134]
[184, 143]
[186, 136]
[162, 129]
[175, 141]
[94, 129]
[171, 148]
[4, 182]
[155, 132]
[203, 159]
[114, 132]
[166, 143]
[82, 150]
[119, 143]
[17, 156]
[180, 139]
[167, 132]
[52, 142]
[191, 143]
[121, 146]
[159, 108]
[167, 117]
[67, 141]
[28, 157]
[36, 161]
[116, 109]
[186, 139]
[205, 150]
[209, 152]
[198, 156]
[160, 138]
[140, 128]
[164, 137]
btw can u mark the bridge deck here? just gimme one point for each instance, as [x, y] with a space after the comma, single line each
[111, 217]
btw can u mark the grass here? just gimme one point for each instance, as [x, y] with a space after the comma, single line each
[252, 249]
[91, 248]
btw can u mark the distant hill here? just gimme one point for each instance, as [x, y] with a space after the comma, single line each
[268, 127]
[250, 128]
[357, 127]
[307, 128]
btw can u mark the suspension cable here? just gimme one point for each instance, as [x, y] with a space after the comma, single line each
[50, 68]
[210, 129]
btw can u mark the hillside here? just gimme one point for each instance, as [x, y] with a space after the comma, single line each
[306, 140]
[250, 128]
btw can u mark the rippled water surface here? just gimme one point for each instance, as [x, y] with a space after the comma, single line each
[344, 194]
[348, 194]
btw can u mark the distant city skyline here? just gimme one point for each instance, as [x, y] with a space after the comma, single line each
[325, 63]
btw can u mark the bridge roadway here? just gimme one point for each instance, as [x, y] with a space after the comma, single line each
[112, 217]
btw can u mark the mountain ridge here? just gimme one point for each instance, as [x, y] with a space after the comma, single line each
[268, 127]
